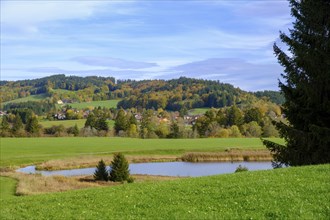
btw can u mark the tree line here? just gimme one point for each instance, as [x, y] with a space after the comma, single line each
[171, 95]
[148, 123]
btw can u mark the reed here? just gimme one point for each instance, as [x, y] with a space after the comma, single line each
[228, 155]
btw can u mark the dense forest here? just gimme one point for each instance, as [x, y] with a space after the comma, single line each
[146, 109]
[170, 95]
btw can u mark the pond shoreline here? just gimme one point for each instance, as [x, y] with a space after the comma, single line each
[231, 155]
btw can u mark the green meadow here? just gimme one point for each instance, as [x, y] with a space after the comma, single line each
[22, 151]
[66, 123]
[69, 123]
[198, 111]
[28, 98]
[287, 193]
[95, 104]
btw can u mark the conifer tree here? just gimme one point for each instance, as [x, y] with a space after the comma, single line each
[5, 124]
[101, 172]
[306, 86]
[32, 126]
[121, 123]
[119, 171]
[18, 124]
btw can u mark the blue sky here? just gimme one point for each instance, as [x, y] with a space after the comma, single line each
[229, 41]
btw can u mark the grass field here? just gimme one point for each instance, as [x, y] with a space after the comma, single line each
[198, 111]
[94, 104]
[23, 151]
[29, 98]
[7, 187]
[70, 123]
[66, 123]
[288, 193]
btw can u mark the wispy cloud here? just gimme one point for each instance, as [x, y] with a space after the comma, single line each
[230, 41]
[113, 62]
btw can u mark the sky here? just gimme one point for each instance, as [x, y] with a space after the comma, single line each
[226, 40]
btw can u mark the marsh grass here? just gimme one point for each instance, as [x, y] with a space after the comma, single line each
[31, 184]
[228, 155]
[20, 184]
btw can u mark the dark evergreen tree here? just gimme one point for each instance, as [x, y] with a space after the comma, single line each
[5, 124]
[174, 130]
[91, 121]
[32, 126]
[121, 122]
[253, 114]
[101, 172]
[234, 116]
[102, 124]
[119, 171]
[18, 124]
[306, 87]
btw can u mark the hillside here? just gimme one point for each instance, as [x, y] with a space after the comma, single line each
[173, 95]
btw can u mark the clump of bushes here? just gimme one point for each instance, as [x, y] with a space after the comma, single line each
[241, 168]
[118, 171]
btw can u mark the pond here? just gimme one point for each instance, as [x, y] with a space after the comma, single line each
[182, 169]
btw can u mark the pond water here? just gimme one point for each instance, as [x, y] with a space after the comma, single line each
[182, 169]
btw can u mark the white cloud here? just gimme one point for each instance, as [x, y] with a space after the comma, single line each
[27, 16]
[112, 62]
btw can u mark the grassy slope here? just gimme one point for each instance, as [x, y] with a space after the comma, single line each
[290, 193]
[83, 105]
[20, 151]
[28, 98]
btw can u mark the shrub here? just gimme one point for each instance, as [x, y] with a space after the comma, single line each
[119, 171]
[101, 172]
[241, 168]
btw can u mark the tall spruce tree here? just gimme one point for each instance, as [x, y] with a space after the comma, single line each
[119, 171]
[306, 87]
[101, 172]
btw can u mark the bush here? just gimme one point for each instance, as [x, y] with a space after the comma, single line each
[241, 168]
[119, 171]
[101, 172]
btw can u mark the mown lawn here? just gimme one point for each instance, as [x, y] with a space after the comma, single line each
[288, 193]
[23, 151]
[7, 187]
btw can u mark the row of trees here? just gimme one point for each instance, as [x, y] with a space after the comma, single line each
[15, 126]
[224, 122]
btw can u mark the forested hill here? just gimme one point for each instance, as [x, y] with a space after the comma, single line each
[172, 94]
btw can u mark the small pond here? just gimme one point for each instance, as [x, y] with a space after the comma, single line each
[165, 169]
